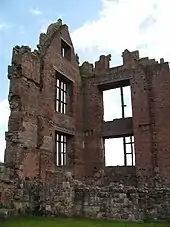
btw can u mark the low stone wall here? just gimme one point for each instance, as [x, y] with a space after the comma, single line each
[114, 202]
[108, 203]
[6, 193]
[6, 187]
[60, 195]
[122, 203]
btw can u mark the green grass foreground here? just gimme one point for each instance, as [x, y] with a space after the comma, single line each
[68, 222]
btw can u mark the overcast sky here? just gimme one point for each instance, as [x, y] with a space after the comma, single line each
[97, 27]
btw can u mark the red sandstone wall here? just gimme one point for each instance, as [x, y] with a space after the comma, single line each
[23, 98]
[93, 117]
[150, 102]
[33, 120]
[161, 105]
[71, 124]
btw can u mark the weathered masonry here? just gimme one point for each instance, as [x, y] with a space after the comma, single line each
[57, 122]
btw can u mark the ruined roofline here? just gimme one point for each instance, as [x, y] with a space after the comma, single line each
[104, 62]
[135, 55]
[45, 40]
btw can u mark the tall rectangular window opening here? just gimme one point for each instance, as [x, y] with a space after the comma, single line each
[65, 50]
[120, 151]
[61, 96]
[61, 149]
[117, 103]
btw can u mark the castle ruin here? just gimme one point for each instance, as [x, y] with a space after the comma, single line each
[55, 153]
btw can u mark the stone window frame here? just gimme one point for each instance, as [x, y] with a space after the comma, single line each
[119, 85]
[61, 141]
[127, 140]
[63, 94]
[65, 50]
[132, 150]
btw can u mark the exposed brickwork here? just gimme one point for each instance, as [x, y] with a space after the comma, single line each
[33, 119]
[30, 175]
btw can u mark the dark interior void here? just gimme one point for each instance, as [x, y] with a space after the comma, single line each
[65, 50]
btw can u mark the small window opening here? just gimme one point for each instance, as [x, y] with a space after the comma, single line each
[120, 151]
[117, 103]
[61, 149]
[65, 50]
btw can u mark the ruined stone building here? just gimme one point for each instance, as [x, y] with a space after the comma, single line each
[56, 123]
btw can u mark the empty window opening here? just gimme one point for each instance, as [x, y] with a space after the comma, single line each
[120, 151]
[61, 149]
[65, 50]
[117, 103]
[61, 96]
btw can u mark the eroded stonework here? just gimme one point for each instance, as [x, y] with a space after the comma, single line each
[32, 179]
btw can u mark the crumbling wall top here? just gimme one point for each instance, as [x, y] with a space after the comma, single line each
[132, 60]
[19, 51]
[45, 38]
[103, 64]
[86, 69]
[44, 41]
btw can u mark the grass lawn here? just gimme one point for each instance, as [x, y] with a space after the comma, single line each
[61, 222]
